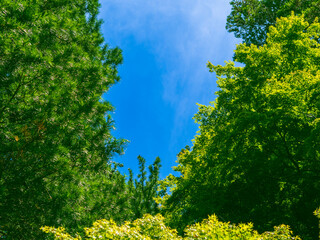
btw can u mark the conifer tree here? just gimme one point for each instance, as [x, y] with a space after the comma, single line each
[144, 190]
[55, 135]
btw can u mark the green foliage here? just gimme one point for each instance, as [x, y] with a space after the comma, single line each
[149, 227]
[317, 213]
[153, 227]
[213, 229]
[251, 19]
[256, 156]
[55, 139]
[144, 192]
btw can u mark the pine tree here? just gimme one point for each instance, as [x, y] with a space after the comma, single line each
[144, 190]
[55, 135]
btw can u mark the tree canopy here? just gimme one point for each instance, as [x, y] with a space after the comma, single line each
[251, 19]
[254, 159]
[256, 155]
[55, 128]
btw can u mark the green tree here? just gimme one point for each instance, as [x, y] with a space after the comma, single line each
[317, 214]
[54, 126]
[251, 19]
[256, 155]
[144, 190]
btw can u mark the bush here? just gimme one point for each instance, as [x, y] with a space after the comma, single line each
[153, 227]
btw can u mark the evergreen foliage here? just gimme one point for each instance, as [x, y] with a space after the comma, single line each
[55, 128]
[256, 155]
[144, 192]
[255, 159]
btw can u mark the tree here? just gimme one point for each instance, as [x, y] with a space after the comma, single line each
[251, 19]
[54, 126]
[143, 190]
[256, 155]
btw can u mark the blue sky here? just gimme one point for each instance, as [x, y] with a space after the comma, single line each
[166, 45]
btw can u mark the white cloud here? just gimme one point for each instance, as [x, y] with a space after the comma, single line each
[183, 36]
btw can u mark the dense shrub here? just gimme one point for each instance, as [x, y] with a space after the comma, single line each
[153, 227]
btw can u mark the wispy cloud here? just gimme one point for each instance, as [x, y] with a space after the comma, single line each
[183, 36]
